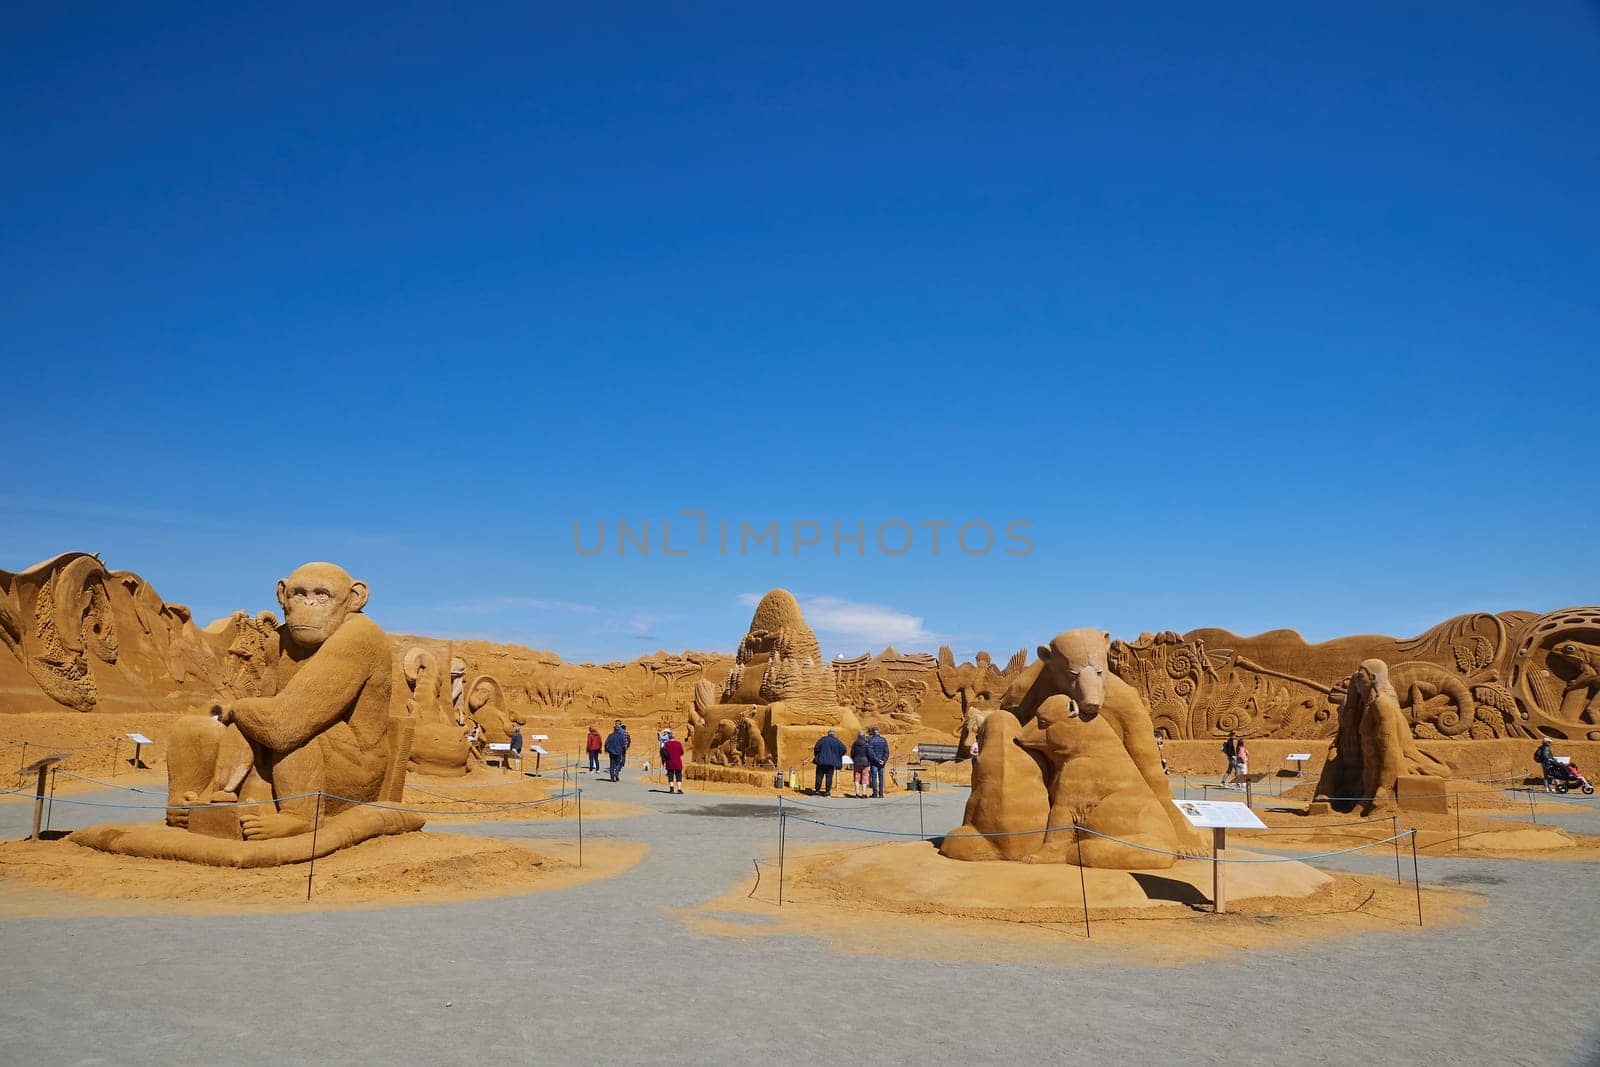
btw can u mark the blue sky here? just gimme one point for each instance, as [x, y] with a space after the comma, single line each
[1259, 315]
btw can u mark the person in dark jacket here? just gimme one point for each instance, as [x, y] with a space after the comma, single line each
[516, 746]
[1230, 748]
[859, 759]
[1543, 756]
[878, 756]
[617, 749]
[594, 745]
[828, 755]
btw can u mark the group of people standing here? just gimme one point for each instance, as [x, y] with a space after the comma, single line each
[615, 745]
[869, 755]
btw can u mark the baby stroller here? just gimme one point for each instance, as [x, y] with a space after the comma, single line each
[1564, 778]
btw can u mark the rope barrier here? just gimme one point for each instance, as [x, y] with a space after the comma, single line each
[1108, 837]
[297, 796]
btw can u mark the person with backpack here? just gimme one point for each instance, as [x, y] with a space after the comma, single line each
[878, 758]
[515, 753]
[593, 746]
[1230, 748]
[1543, 756]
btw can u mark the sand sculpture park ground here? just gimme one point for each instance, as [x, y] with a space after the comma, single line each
[482, 938]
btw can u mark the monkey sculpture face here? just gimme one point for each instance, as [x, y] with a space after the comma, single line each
[316, 599]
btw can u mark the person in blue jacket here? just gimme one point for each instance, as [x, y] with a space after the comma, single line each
[617, 749]
[828, 755]
[878, 757]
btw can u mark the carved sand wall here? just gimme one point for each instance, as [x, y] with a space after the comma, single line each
[1477, 676]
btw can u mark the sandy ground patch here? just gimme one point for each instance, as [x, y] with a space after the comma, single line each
[59, 879]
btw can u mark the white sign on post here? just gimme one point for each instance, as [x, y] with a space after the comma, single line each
[1299, 757]
[1220, 815]
[140, 739]
[541, 751]
[538, 737]
[1562, 759]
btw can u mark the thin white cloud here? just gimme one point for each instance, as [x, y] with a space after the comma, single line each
[510, 603]
[857, 625]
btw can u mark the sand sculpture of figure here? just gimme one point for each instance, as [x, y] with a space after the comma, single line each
[1074, 663]
[777, 700]
[1009, 796]
[440, 745]
[326, 730]
[486, 705]
[1094, 784]
[1374, 748]
[1092, 761]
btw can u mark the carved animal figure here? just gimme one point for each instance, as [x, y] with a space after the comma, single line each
[1074, 665]
[1585, 659]
[324, 731]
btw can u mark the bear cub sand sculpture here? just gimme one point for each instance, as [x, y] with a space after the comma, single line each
[1072, 744]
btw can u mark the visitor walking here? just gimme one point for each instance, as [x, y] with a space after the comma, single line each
[672, 760]
[1230, 748]
[1241, 765]
[1161, 751]
[516, 747]
[593, 746]
[617, 749]
[878, 757]
[858, 763]
[828, 755]
[1543, 756]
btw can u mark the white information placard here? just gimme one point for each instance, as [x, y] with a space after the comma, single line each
[538, 737]
[140, 739]
[500, 746]
[1220, 815]
[1562, 759]
[541, 751]
[848, 762]
[1299, 757]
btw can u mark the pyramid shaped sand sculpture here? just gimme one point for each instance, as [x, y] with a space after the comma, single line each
[778, 699]
[312, 767]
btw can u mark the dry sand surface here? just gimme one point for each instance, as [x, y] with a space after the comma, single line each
[907, 902]
[60, 879]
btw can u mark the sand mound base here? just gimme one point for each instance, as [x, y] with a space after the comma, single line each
[1455, 834]
[906, 901]
[59, 878]
[912, 876]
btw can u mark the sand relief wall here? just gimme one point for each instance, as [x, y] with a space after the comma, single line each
[266, 778]
[1478, 676]
[76, 636]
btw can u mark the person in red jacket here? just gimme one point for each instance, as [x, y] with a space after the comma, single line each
[594, 745]
[672, 760]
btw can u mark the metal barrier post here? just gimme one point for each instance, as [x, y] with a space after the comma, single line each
[1415, 877]
[316, 823]
[1083, 886]
[1395, 823]
[580, 828]
[783, 823]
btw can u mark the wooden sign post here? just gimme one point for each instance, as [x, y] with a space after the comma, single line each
[43, 767]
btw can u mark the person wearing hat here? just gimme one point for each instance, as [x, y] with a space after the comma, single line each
[672, 760]
[828, 754]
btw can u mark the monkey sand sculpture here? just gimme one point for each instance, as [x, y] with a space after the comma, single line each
[1373, 762]
[311, 755]
[1071, 744]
